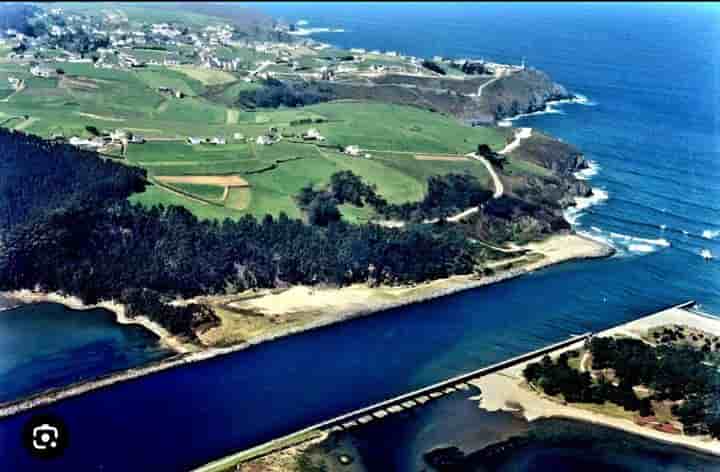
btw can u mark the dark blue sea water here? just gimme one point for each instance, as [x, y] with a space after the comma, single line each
[651, 77]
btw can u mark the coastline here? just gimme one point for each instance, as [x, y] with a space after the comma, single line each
[557, 249]
[507, 391]
[18, 298]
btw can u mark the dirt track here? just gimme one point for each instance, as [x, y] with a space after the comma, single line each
[221, 180]
[439, 157]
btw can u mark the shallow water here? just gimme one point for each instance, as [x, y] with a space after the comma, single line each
[400, 441]
[48, 345]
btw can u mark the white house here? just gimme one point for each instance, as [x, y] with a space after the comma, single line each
[313, 134]
[352, 150]
[38, 71]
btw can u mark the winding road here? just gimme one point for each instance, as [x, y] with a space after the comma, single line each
[520, 135]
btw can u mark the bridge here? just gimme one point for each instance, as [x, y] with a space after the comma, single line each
[381, 409]
[403, 402]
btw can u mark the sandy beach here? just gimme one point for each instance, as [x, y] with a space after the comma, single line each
[507, 391]
[252, 318]
[301, 308]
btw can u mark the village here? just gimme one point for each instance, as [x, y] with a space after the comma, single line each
[163, 95]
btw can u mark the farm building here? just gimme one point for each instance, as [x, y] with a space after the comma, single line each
[264, 140]
[43, 72]
[352, 150]
[313, 135]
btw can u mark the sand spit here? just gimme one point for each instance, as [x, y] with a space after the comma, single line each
[507, 391]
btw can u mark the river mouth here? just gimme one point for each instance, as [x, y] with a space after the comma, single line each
[498, 441]
[46, 345]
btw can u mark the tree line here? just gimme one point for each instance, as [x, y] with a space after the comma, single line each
[681, 374]
[446, 195]
[71, 229]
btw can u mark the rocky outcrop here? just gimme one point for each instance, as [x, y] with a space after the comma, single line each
[521, 92]
[525, 91]
[536, 194]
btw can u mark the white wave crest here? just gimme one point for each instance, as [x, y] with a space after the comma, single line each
[591, 170]
[581, 99]
[598, 196]
[655, 242]
[596, 237]
[710, 234]
[573, 214]
[644, 248]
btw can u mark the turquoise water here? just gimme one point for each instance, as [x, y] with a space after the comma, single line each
[650, 75]
[47, 345]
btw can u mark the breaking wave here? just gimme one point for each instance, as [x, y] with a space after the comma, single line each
[550, 109]
[592, 169]
[572, 214]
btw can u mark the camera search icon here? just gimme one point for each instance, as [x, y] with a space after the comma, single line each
[45, 436]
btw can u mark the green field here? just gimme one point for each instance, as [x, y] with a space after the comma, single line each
[128, 99]
[207, 192]
[156, 77]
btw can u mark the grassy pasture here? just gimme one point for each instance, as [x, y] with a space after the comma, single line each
[208, 192]
[206, 76]
[156, 77]
[111, 98]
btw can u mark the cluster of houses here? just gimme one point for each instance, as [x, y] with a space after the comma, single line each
[117, 137]
[211, 61]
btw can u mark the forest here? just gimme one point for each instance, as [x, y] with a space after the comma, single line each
[680, 374]
[68, 227]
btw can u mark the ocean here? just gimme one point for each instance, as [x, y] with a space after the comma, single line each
[649, 75]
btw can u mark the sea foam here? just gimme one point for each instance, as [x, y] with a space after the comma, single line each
[644, 248]
[592, 169]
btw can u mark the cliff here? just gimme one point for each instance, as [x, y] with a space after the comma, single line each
[540, 184]
[525, 91]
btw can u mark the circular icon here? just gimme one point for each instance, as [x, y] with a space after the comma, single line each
[45, 436]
